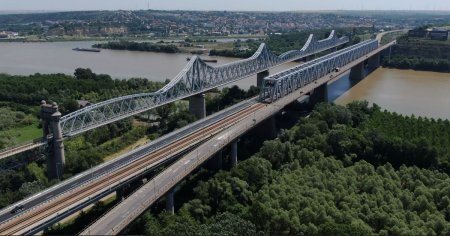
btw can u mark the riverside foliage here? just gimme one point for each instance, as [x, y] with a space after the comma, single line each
[420, 54]
[136, 46]
[342, 171]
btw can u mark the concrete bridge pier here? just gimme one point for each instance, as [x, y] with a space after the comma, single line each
[216, 161]
[266, 130]
[219, 160]
[120, 193]
[374, 62]
[170, 207]
[234, 154]
[357, 73]
[197, 106]
[50, 122]
[260, 78]
[320, 94]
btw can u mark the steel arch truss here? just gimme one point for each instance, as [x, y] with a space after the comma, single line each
[195, 78]
[284, 83]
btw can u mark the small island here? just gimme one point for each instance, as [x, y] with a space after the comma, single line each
[138, 46]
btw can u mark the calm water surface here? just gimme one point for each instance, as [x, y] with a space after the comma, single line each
[58, 57]
[403, 91]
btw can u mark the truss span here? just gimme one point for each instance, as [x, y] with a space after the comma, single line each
[196, 77]
[286, 82]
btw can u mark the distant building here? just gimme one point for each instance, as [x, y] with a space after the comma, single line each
[433, 34]
[437, 34]
[418, 33]
[8, 35]
[83, 103]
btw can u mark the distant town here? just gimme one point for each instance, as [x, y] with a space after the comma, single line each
[151, 23]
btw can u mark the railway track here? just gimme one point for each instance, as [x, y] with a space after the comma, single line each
[20, 224]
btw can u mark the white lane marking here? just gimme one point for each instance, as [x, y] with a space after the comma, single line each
[76, 177]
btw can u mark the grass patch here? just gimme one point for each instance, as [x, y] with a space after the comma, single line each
[25, 133]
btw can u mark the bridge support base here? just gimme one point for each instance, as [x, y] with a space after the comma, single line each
[219, 160]
[234, 154]
[357, 72]
[216, 161]
[197, 106]
[374, 62]
[50, 123]
[170, 201]
[320, 94]
[260, 78]
[267, 129]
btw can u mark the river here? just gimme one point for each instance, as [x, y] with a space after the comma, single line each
[58, 57]
[406, 92]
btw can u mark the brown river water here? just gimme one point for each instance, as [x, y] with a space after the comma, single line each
[58, 57]
[403, 91]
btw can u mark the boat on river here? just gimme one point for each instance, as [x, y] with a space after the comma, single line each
[205, 60]
[86, 49]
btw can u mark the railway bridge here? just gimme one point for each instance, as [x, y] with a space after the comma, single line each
[196, 78]
[200, 140]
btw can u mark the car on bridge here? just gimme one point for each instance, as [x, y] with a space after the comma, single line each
[17, 209]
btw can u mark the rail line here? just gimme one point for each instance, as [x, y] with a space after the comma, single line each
[19, 224]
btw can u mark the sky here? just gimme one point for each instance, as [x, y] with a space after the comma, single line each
[244, 5]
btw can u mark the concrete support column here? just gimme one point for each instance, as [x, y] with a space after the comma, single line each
[170, 201]
[320, 94]
[260, 78]
[234, 154]
[357, 72]
[219, 160]
[270, 127]
[120, 193]
[197, 106]
[374, 62]
[56, 158]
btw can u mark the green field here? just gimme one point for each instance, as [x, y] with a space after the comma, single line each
[25, 133]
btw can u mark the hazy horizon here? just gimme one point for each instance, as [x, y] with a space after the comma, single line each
[230, 5]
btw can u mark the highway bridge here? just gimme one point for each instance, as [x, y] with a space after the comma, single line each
[196, 78]
[50, 206]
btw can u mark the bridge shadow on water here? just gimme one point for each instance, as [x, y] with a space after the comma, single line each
[342, 85]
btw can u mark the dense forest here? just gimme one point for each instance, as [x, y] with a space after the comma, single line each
[352, 170]
[419, 54]
[135, 46]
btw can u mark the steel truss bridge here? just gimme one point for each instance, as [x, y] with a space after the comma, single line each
[279, 90]
[281, 84]
[197, 77]
[69, 196]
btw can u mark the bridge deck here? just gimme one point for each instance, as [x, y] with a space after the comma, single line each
[120, 216]
[10, 151]
[67, 196]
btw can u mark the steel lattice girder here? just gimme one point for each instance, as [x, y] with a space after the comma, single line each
[195, 78]
[284, 83]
